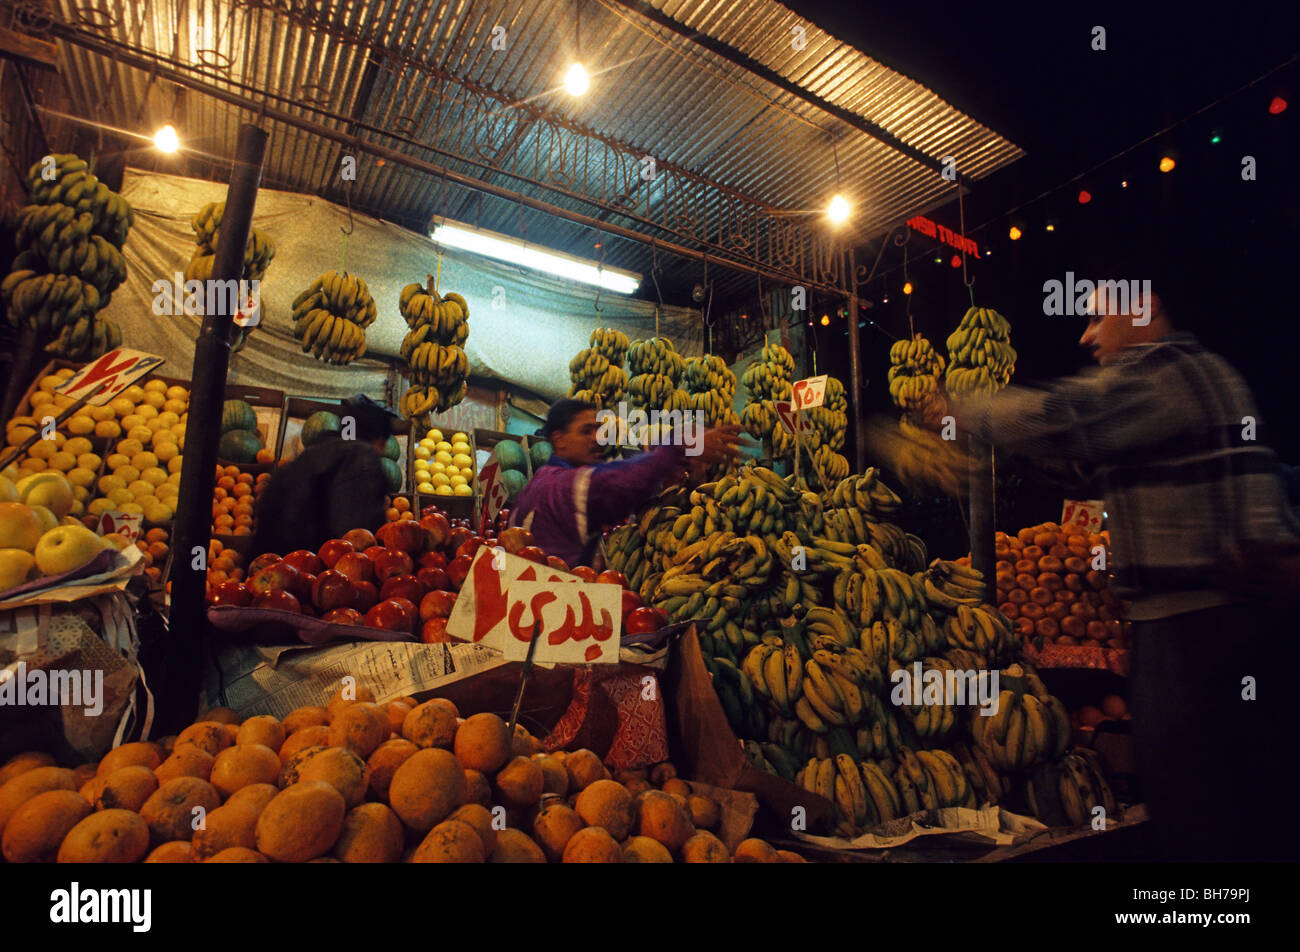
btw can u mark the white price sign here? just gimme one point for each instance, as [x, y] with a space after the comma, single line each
[791, 419]
[808, 393]
[1085, 514]
[115, 371]
[492, 490]
[126, 524]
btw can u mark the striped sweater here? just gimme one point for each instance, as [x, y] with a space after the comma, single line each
[1171, 434]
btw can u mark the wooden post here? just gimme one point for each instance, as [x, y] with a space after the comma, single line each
[981, 514]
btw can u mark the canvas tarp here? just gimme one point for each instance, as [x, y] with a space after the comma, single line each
[524, 326]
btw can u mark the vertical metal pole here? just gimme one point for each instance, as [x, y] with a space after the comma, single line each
[178, 698]
[855, 371]
[20, 372]
[981, 513]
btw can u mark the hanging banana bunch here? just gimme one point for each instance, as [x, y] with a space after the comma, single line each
[330, 317]
[655, 367]
[980, 356]
[70, 258]
[597, 379]
[915, 372]
[711, 387]
[610, 344]
[433, 349]
[258, 253]
[768, 380]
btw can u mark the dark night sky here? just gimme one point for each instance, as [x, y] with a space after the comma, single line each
[1028, 72]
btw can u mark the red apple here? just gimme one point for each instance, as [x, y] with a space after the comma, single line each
[356, 566]
[278, 598]
[405, 535]
[394, 614]
[361, 539]
[279, 576]
[469, 546]
[533, 554]
[613, 577]
[333, 590]
[230, 593]
[455, 538]
[434, 632]
[437, 604]
[434, 579]
[436, 529]
[402, 586]
[555, 562]
[457, 569]
[631, 602]
[364, 595]
[644, 620]
[515, 538]
[584, 572]
[344, 616]
[302, 586]
[431, 559]
[333, 550]
[304, 560]
[392, 562]
[261, 562]
[374, 550]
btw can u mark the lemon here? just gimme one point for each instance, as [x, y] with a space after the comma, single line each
[134, 393]
[154, 476]
[42, 449]
[174, 466]
[174, 478]
[32, 465]
[442, 457]
[434, 434]
[110, 482]
[103, 413]
[130, 447]
[461, 437]
[49, 383]
[80, 476]
[443, 491]
[98, 507]
[40, 398]
[153, 401]
[421, 465]
[80, 493]
[177, 393]
[440, 479]
[88, 461]
[81, 425]
[443, 446]
[16, 435]
[467, 472]
[140, 434]
[458, 480]
[178, 430]
[166, 491]
[144, 460]
[462, 490]
[157, 513]
[147, 410]
[461, 460]
[166, 451]
[128, 473]
[436, 467]
[459, 446]
[108, 429]
[63, 461]
[121, 406]
[131, 420]
[119, 497]
[422, 452]
[78, 445]
[140, 487]
[174, 407]
[132, 508]
[158, 385]
[117, 460]
[425, 488]
[166, 418]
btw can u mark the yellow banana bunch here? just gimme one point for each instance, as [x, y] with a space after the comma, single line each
[980, 356]
[330, 317]
[610, 344]
[206, 224]
[445, 315]
[655, 356]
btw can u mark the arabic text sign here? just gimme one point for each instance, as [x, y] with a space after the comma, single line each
[123, 523]
[117, 370]
[808, 393]
[1084, 514]
[791, 419]
[492, 489]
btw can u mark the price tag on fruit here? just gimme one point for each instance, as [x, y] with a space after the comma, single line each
[793, 421]
[492, 490]
[115, 371]
[808, 393]
[1084, 513]
[250, 308]
[504, 595]
[125, 524]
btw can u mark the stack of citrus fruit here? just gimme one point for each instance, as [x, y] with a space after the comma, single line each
[234, 499]
[444, 468]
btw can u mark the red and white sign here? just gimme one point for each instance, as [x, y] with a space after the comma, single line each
[504, 596]
[492, 490]
[792, 420]
[808, 393]
[123, 523]
[250, 308]
[1083, 513]
[116, 371]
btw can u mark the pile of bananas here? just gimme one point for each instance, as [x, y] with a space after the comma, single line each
[868, 494]
[595, 379]
[832, 465]
[1066, 791]
[711, 389]
[1031, 726]
[980, 356]
[610, 344]
[915, 372]
[207, 226]
[951, 585]
[767, 380]
[433, 349]
[330, 317]
[70, 260]
[654, 367]
[829, 424]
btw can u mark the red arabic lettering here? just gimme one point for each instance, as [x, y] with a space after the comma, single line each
[489, 597]
[527, 575]
[586, 627]
[525, 632]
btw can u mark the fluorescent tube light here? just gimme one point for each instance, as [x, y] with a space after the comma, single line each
[504, 248]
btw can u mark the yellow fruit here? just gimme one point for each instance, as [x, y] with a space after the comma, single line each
[131, 446]
[421, 465]
[102, 414]
[50, 490]
[157, 514]
[19, 527]
[434, 434]
[49, 383]
[154, 385]
[459, 446]
[15, 566]
[132, 420]
[175, 407]
[121, 406]
[166, 451]
[16, 435]
[153, 401]
[461, 460]
[108, 429]
[144, 460]
[457, 480]
[80, 477]
[78, 445]
[62, 401]
[8, 491]
[110, 482]
[462, 490]
[442, 446]
[63, 461]
[120, 497]
[116, 461]
[437, 468]
[140, 487]
[440, 479]
[41, 398]
[140, 434]
[132, 508]
[81, 425]
[148, 409]
[81, 494]
[43, 449]
[66, 548]
[154, 475]
[459, 437]
[443, 457]
[129, 473]
[174, 465]
[443, 491]
[166, 418]
[32, 465]
[177, 393]
[98, 507]
[424, 488]
[88, 460]
[422, 453]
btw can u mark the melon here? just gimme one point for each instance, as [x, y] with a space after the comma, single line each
[239, 446]
[511, 455]
[319, 426]
[514, 481]
[392, 449]
[392, 473]
[540, 452]
[237, 415]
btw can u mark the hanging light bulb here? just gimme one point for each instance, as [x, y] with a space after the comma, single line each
[1166, 164]
[826, 320]
[1014, 233]
[576, 80]
[1277, 106]
[838, 209]
[166, 140]
[907, 287]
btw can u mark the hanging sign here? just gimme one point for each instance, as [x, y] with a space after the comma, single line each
[116, 371]
[1084, 514]
[791, 419]
[492, 491]
[924, 226]
[808, 393]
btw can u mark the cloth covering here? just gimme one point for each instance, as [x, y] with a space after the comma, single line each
[539, 322]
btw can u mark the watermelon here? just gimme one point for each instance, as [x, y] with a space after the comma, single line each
[320, 425]
[237, 415]
[392, 472]
[239, 446]
[514, 481]
[540, 452]
[393, 449]
[511, 455]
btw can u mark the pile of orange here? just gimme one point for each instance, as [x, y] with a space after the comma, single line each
[400, 510]
[356, 782]
[154, 546]
[1048, 587]
[223, 564]
[234, 499]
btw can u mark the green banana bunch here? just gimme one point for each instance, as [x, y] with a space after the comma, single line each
[73, 185]
[915, 372]
[980, 356]
[48, 303]
[610, 344]
[206, 224]
[330, 317]
[1065, 792]
[650, 390]
[89, 337]
[655, 356]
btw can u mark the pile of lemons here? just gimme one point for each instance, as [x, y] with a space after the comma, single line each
[444, 468]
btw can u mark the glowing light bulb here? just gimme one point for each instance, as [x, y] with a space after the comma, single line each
[576, 80]
[166, 140]
[907, 288]
[826, 320]
[838, 209]
[1014, 233]
[1166, 164]
[1085, 197]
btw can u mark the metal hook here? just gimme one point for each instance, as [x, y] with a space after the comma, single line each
[348, 197]
[600, 266]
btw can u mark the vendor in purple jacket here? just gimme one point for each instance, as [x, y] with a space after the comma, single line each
[574, 497]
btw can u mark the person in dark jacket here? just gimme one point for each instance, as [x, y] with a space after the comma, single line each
[333, 486]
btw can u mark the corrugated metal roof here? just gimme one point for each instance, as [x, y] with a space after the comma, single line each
[401, 67]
